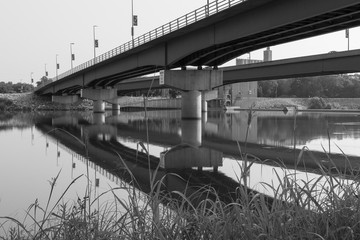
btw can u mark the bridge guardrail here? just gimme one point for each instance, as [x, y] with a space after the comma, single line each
[181, 22]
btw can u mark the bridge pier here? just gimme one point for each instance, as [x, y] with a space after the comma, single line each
[100, 96]
[204, 106]
[98, 106]
[191, 104]
[192, 82]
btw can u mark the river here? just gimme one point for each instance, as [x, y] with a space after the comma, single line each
[36, 147]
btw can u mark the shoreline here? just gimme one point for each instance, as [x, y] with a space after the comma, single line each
[30, 102]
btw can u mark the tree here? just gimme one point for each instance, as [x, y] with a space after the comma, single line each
[268, 88]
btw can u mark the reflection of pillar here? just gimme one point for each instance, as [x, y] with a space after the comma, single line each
[99, 118]
[191, 104]
[115, 106]
[204, 106]
[116, 112]
[99, 106]
[115, 109]
[191, 132]
[204, 118]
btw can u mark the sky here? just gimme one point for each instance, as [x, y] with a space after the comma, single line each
[33, 32]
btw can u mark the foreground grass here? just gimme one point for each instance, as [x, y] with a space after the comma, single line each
[323, 208]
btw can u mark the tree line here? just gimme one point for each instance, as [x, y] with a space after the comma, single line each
[331, 86]
[9, 87]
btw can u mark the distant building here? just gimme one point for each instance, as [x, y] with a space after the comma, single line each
[240, 94]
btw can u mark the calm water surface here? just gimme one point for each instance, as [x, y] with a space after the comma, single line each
[35, 148]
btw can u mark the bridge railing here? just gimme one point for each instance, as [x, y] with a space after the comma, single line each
[181, 22]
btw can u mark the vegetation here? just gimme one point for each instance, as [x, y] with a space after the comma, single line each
[15, 88]
[318, 103]
[334, 86]
[324, 208]
[5, 104]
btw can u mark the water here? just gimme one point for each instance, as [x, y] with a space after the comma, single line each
[35, 148]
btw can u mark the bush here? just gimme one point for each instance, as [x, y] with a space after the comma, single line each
[318, 103]
[4, 104]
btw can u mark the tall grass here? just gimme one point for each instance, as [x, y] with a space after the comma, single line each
[326, 207]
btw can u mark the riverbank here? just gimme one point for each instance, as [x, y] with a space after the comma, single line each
[307, 103]
[31, 102]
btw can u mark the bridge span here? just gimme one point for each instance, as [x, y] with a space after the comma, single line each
[208, 36]
[316, 65]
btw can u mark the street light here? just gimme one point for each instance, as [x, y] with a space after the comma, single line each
[31, 77]
[134, 22]
[207, 8]
[57, 66]
[72, 56]
[347, 35]
[96, 43]
[46, 72]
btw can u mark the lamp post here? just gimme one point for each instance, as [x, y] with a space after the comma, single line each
[31, 77]
[57, 66]
[134, 22]
[72, 56]
[207, 8]
[96, 43]
[347, 35]
[46, 72]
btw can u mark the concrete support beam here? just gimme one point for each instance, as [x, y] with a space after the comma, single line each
[191, 79]
[191, 82]
[98, 94]
[65, 99]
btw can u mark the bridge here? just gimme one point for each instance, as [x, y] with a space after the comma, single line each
[316, 65]
[208, 36]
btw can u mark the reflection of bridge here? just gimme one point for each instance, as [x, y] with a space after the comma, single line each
[104, 153]
[223, 138]
[209, 36]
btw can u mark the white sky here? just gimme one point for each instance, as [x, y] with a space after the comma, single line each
[32, 32]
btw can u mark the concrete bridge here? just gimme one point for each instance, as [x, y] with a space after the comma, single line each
[208, 36]
[315, 65]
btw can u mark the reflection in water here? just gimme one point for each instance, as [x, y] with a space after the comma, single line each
[211, 145]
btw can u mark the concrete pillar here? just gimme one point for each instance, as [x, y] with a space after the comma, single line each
[203, 102]
[115, 106]
[191, 105]
[99, 96]
[99, 106]
[115, 112]
[191, 82]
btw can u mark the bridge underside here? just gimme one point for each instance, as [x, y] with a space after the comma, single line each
[317, 65]
[308, 27]
[215, 40]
